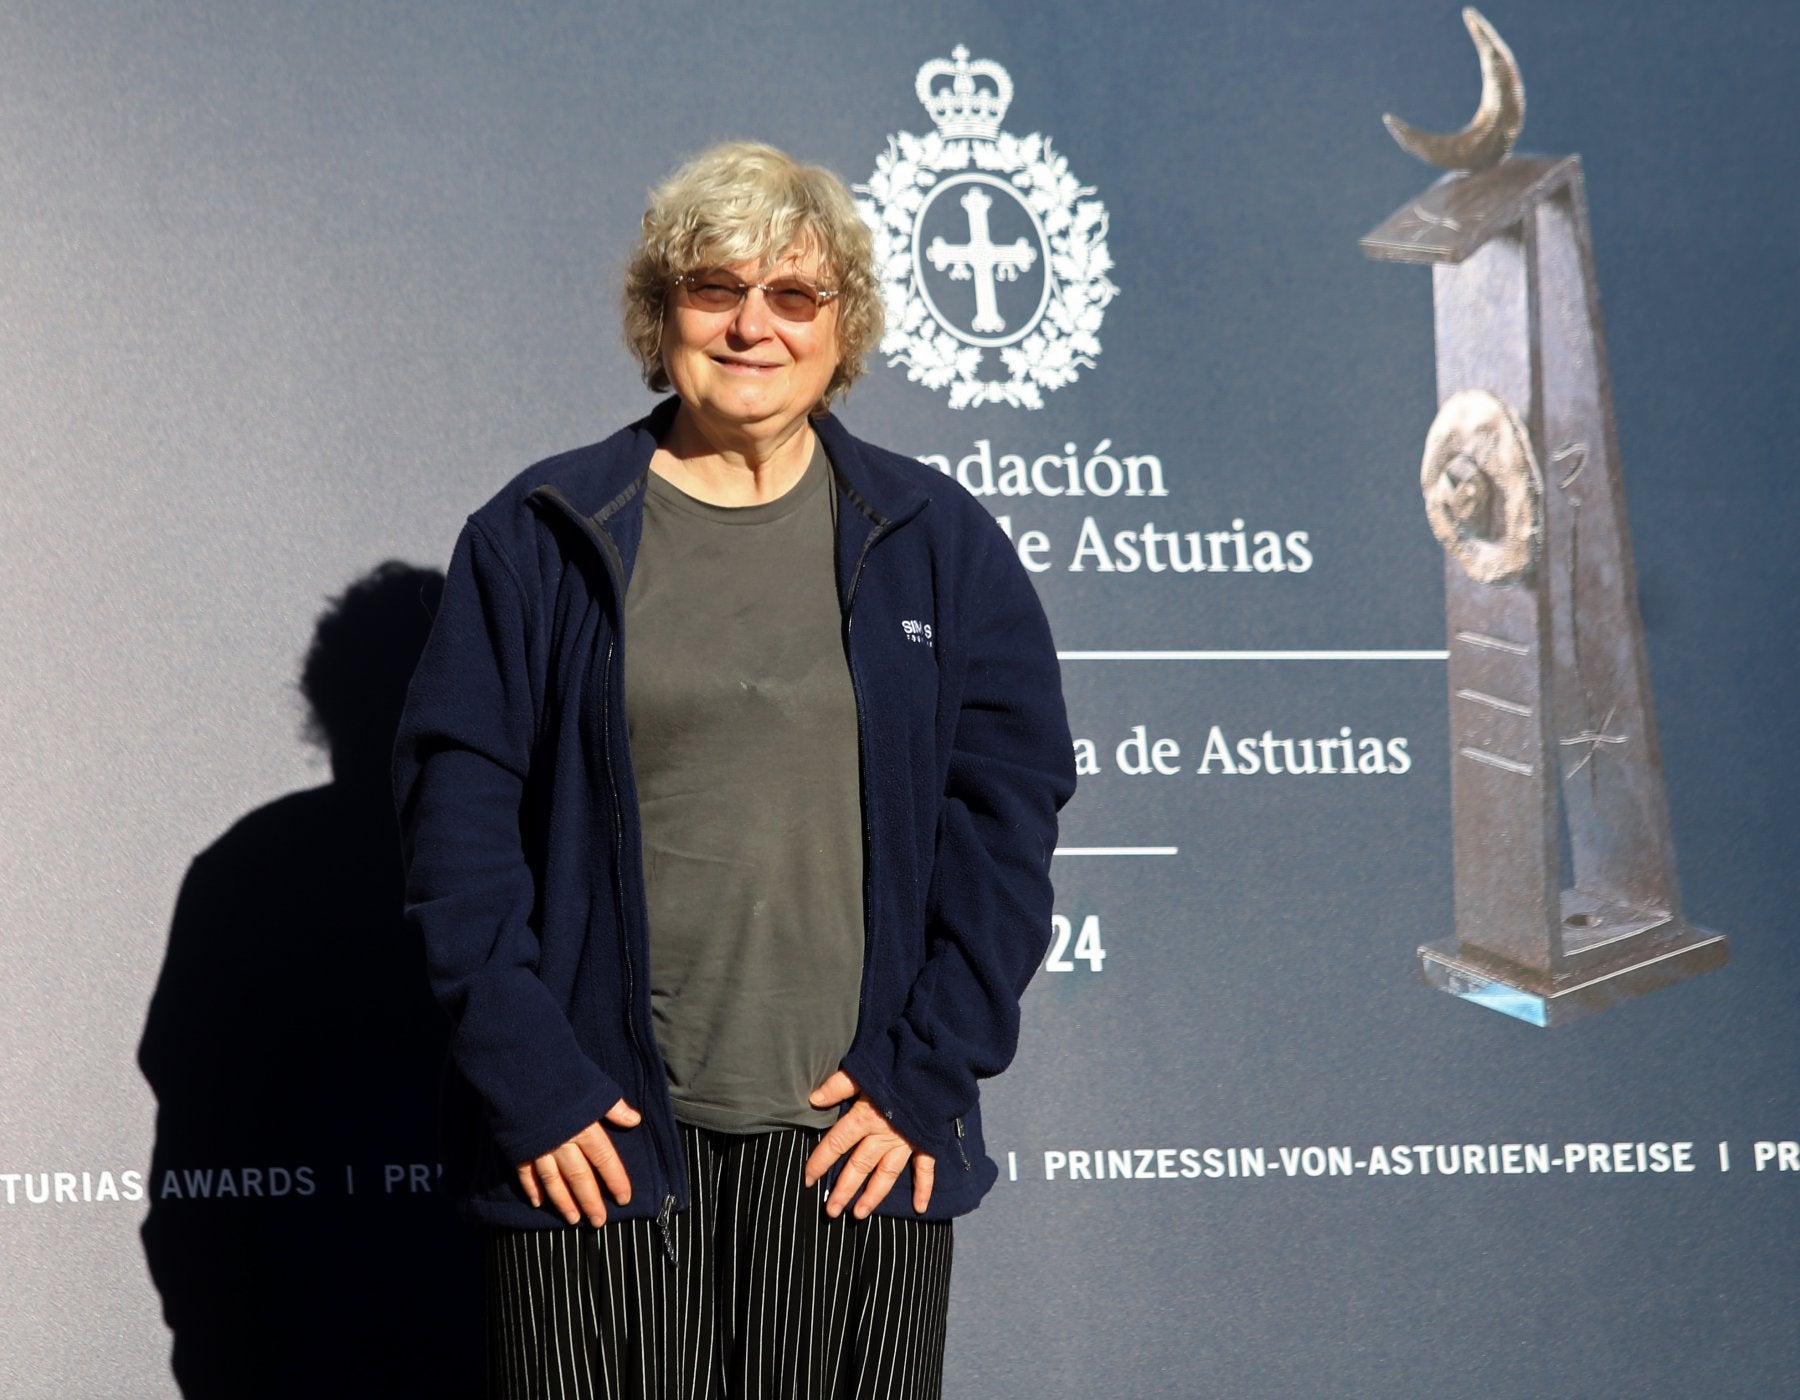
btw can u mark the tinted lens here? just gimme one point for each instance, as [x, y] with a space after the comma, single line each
[793, 300]
[713, 291]
[790, 298]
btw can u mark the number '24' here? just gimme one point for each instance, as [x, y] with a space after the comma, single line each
[1087, 944]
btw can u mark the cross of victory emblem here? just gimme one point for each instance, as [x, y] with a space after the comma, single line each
[987, 246]
[982, 259]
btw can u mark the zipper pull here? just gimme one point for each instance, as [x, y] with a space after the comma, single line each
[664, 1228]
[959, 1145]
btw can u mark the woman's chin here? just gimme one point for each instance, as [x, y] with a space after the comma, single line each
[739, 408]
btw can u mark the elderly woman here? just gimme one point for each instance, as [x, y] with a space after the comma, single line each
[729, 779]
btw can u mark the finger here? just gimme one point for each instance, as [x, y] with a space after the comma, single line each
[528, 1184]
[597, 1148]
[924, 1177]
[839, 1139]
[837, 1087]
[823, 1156]
[556, 1191]
[624, 1115]
[882, 1181]
[852, 1175]
[579, 1177]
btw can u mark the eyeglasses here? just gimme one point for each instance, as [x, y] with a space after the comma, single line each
[790, 298]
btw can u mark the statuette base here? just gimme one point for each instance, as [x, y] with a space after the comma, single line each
[1662, 955]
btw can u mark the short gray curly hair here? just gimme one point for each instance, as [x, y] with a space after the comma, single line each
[742, 201]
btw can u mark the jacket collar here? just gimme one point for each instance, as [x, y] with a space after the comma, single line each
[874, 486]
[607, 498]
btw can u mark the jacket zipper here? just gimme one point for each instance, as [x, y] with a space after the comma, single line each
[663, 1230]
[862, 986]
[669, 1204]
[856, 694]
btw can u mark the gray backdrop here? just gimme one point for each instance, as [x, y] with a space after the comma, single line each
[285, 291]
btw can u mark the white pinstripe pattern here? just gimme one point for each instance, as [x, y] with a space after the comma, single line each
[770, 1300]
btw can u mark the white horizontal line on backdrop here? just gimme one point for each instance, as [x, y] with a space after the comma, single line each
[1252, 656]
[1118, 850]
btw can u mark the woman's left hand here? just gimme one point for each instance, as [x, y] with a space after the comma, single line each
[872, 1151]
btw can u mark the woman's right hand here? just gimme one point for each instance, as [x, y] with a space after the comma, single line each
[570, 1176]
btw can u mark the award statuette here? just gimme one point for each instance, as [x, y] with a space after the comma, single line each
[1550, 710]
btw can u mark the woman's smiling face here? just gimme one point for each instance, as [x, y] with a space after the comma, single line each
[746, 371]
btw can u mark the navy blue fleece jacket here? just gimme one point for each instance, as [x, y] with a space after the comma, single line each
[519, 810]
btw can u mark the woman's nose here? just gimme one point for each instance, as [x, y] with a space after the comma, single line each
[752, 319]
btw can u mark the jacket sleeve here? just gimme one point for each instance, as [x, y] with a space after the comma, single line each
[460, 767]
[1011, 769]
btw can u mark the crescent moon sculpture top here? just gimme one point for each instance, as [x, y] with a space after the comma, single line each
[1491, 132]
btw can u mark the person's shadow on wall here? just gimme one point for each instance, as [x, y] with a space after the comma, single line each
[295, 1232]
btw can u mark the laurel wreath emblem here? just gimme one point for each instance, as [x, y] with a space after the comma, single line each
[1064, 339]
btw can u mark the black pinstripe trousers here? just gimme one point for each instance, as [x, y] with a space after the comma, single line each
[766, 1297]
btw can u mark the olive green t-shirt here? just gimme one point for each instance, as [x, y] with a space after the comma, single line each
[743, 738]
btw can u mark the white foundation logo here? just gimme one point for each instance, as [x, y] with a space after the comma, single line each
[986, 244]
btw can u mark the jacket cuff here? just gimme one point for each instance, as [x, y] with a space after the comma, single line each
[874, 1070]
[523, 1142]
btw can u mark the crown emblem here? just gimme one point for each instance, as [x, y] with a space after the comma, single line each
[961, 108]
[994, 256]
